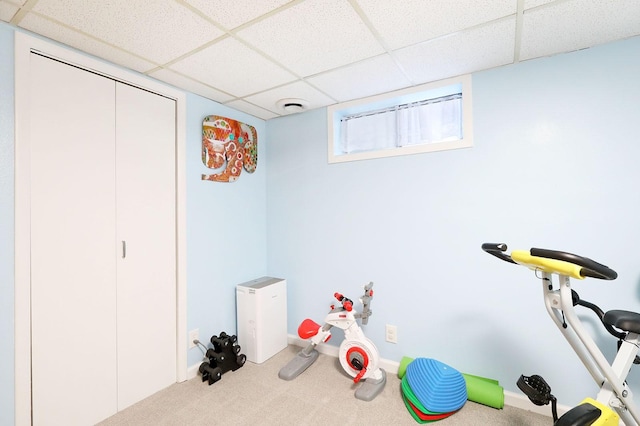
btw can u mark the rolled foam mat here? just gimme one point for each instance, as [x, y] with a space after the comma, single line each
[402, 368]
[484, 391]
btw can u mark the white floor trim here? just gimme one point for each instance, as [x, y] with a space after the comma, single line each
[192, 371]
[517, 400]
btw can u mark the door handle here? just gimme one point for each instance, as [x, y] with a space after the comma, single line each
[124, 249]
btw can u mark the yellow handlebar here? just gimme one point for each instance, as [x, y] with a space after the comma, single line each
[553, 262]
[544, 264]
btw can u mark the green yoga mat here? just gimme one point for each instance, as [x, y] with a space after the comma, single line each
[479, 389]
[484, 391]
[402, 368]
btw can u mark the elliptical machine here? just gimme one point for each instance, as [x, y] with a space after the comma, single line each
[615, 399]
[358, 355]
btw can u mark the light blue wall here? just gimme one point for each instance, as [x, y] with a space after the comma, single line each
[6, 226]
[226, 229]
[555, 165]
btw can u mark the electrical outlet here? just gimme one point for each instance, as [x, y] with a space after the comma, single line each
[391, 333]
[193, 335]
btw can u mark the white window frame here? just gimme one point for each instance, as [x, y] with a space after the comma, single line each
[461, 84]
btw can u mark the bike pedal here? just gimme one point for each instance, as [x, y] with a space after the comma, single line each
[536, 389]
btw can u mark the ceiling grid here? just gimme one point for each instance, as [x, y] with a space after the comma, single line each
[251, 54]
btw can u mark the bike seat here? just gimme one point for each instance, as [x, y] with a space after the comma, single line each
[308, 328]
[623, 320]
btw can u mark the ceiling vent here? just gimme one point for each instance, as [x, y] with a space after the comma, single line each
[292, 105]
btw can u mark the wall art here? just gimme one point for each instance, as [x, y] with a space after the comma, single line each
[228, 141]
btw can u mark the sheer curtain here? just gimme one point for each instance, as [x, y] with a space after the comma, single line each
[369, 132]
[429, 121]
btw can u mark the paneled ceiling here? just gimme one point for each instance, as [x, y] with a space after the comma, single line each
[255, 55]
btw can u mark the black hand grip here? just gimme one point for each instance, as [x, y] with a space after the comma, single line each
[498, 250]
[590, 268]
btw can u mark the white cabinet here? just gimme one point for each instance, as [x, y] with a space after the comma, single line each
[103, 319]
[262, 317]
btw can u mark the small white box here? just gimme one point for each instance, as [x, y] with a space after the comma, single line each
[262, 317]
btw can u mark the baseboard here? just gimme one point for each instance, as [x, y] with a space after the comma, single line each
[517, 400]
[193, 371]
[510, 398]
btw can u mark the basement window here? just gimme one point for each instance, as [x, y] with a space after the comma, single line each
[426, 118]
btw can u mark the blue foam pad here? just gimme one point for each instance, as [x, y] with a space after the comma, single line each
[439, 387]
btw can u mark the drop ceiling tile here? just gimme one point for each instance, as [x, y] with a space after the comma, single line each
[7, 10]
[577, 24]
[366, 78]
[232, 67]
[62, 34]
[313, 36]
[299, 89]
[403, 23]
[256, 111]
[190, 85]
[233, 13]
[477, 49]
[158, 30]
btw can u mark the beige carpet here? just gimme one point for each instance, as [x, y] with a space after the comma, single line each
[322, 395]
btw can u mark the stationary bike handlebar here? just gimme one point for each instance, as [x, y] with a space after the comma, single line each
[347, 304]
[563, 263]
[553, 261]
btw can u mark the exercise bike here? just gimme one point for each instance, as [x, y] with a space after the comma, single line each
[614, 400]
[358, 355]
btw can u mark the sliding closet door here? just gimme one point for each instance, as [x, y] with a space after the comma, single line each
[146, 194]
[73, 296]
[103, 244]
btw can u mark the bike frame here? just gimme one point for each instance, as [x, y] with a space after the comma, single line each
[614, 391]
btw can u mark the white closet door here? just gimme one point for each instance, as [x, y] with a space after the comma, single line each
[145, 158]
[73, 296]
